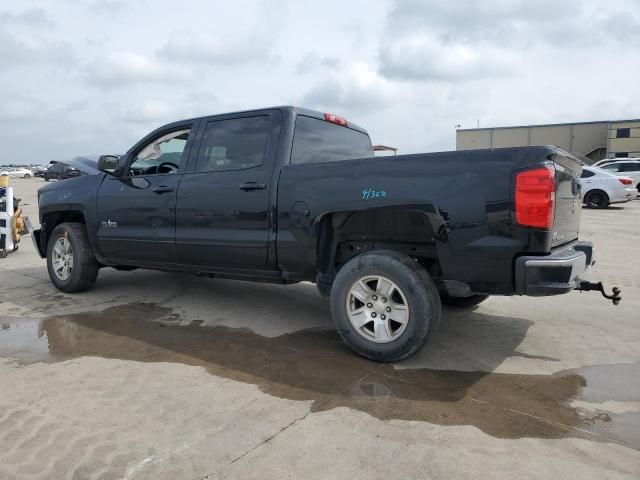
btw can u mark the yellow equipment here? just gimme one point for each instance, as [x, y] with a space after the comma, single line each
[17, 224]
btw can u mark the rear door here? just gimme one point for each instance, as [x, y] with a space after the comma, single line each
[223, 216]
[568, 206]
[631, 170]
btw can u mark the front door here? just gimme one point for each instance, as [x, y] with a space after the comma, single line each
[136, 211]
[222, 216]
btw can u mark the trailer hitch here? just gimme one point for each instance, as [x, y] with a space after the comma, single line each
[598, 287]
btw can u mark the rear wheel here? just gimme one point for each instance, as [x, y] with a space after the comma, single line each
[462, 302]
[596, 199]
[70, 262]
[385, 305]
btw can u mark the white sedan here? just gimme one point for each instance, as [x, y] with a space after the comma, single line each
[600, 188]
[17, 173]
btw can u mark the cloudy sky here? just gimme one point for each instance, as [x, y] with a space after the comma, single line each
[93, 76]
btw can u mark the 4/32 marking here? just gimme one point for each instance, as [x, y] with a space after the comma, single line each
[368, 194]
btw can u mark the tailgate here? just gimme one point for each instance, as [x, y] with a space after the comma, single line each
[568, 209]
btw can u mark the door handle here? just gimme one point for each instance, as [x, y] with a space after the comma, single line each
[252, 186]
[162, 189]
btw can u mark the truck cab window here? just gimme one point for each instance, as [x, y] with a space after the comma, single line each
[233, 144]
[318, 141]
[162, 155]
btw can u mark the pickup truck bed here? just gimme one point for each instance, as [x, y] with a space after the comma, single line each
[453, 207]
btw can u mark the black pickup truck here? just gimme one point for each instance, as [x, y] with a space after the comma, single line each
[287, 194]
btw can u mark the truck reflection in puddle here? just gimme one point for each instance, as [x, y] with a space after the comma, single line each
[315, 365]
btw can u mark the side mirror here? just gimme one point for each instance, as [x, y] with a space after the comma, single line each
[108, 163]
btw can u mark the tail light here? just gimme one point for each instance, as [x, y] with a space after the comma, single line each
[330, 117]
[535, 197]
[625, 181]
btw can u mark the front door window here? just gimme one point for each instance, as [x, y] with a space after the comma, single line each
[164, 155]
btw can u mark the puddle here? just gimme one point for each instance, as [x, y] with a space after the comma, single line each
[315, 365]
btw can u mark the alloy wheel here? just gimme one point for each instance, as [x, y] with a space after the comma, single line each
[377, 309]
[62, 258]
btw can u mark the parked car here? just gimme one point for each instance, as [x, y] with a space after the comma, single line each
[605, 161]
[288, 194]
[625, 168]
[60, 171]
[38, 171]
[601, 188]
[17, 173]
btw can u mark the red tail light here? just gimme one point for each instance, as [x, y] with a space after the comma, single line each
[330, 117]
[625, 181]
[535, 197]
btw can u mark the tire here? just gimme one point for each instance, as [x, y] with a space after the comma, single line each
[462, 302]
[412, 289]
[596, 199]
[84, 268]
[46, 179]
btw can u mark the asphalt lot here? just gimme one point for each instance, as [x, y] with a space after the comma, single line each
[154, 375]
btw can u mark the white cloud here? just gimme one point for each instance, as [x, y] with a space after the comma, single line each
[123, 68]
[25, 39]
[357, 87]
[153, 112]
[31, 17]
[312, 62]
[424, 56]
[212, 48]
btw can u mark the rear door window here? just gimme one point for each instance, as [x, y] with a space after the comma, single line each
[630, 167]
[612, 167]
[234, 144]
[318, 141]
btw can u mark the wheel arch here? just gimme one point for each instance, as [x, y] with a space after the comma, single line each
[411, 230]
[50, 219]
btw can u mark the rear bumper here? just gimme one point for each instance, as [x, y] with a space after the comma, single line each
[553, 274]
[623, 195]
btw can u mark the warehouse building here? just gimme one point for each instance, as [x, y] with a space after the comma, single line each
[590, 141]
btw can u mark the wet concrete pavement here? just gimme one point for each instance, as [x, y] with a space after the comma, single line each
[315, 365]
[155, 375]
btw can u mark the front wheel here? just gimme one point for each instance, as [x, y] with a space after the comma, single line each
[26, 175]
[385, 305]
[70, 261]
